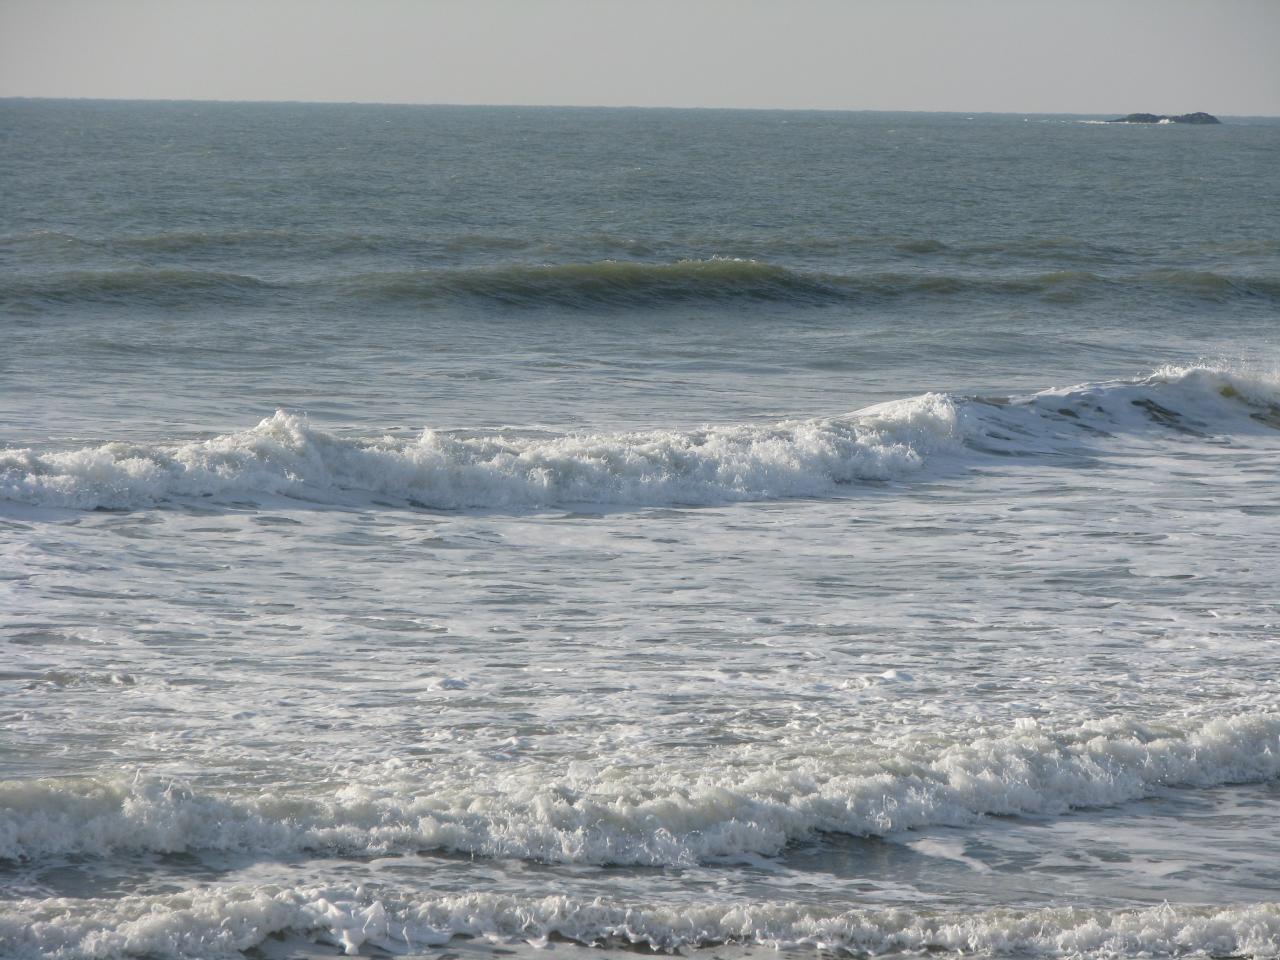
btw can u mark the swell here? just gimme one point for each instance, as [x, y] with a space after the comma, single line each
[164, 287]
[630, 284]
[753, 245]
[605, 283]
[616, 284]
[226, 921]
[285, 456]
[667, 815]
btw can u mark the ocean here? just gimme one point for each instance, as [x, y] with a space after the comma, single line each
[468, 532]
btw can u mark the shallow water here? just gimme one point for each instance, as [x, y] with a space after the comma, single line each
[446, 531]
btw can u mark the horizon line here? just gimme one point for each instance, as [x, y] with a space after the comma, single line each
[588, 106]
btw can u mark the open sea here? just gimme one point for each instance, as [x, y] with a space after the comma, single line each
[474, 532]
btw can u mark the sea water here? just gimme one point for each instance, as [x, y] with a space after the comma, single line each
[462, 531]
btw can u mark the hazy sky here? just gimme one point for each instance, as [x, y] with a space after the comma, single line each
[1085, 56]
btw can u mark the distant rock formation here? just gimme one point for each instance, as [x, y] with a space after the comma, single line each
[1158, 118]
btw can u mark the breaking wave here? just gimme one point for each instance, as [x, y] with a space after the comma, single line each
[666, 816]
[285, 455]
[229, 920]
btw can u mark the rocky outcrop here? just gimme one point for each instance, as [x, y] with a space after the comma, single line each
[1160, 118]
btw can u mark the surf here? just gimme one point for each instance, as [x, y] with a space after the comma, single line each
[232, 919]
[285, 455]
[666, 815]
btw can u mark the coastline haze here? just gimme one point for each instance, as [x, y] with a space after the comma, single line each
[990, 56]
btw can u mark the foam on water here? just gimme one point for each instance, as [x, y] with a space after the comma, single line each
[285, 455]
[228, 920]
[667, 815]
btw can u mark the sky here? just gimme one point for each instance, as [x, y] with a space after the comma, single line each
[1030, 56]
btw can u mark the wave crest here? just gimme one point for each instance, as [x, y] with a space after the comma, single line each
[632, 284]
[661, 817]
[229, 920]
[148, 286]
[285, 455]
[607, 283]
[622, 284]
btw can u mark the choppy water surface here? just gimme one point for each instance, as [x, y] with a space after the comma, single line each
[437, 531]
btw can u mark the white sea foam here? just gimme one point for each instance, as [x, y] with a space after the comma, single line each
[225, 921]
[664, 815]
[284, 455]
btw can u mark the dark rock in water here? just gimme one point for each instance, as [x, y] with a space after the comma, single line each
[1160, 118]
